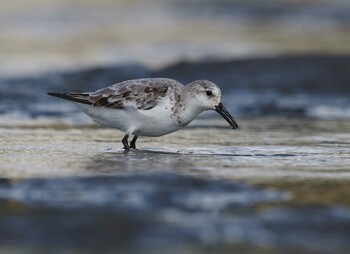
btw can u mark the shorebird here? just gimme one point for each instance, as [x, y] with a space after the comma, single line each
[149, 107]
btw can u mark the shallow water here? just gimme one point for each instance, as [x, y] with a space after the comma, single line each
[260, 150]
[273, 185]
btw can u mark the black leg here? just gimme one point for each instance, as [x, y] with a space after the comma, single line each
[125, 142]
[133, 142]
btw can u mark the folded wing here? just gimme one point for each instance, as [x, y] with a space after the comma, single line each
[141, 93]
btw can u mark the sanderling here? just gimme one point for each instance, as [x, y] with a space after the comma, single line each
[149, 107]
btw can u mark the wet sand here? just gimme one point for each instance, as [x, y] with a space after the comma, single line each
[264, 149]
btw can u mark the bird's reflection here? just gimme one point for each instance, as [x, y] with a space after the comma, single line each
[143, 161]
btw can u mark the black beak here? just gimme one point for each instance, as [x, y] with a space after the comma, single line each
[225, 114]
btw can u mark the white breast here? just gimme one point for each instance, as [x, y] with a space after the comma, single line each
[155, 122]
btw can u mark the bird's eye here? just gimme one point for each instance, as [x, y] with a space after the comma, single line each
[209, 93]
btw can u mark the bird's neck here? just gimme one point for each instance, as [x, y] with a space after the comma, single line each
[186, 111]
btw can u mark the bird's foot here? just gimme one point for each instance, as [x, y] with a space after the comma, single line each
[125, 143]
[133, 142]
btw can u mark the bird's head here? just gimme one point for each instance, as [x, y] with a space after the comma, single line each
[207, 95]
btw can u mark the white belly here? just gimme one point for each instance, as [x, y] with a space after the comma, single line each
[154, 122]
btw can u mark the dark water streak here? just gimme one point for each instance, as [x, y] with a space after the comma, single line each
[134, 213]
[299, 86]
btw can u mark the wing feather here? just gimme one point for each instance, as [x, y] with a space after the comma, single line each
[142, 93]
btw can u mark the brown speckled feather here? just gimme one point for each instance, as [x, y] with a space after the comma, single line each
[140, 93]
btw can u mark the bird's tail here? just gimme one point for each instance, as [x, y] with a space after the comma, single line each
[77, 97]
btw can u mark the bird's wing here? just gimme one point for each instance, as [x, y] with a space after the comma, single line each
[139, 93]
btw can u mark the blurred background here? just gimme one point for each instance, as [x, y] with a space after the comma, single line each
[279, 184]
[38, 36]
[276, 57]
